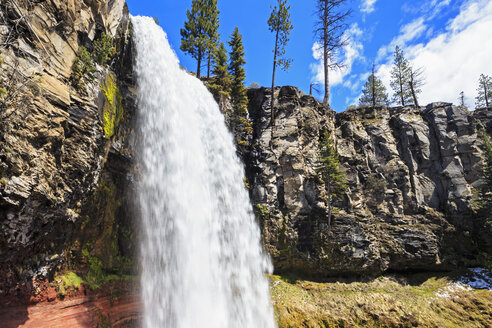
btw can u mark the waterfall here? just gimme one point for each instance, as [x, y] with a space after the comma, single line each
[201, 256]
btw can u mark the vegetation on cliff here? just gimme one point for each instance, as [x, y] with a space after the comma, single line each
[113, 106]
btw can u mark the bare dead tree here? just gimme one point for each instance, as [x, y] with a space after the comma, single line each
[416, 81]
[330, 33]
[313, 86]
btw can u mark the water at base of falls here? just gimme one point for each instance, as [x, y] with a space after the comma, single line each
[202, 261]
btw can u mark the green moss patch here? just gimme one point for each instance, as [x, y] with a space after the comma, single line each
[69, 281]
[113, 110]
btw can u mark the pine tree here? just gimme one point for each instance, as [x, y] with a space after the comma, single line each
[330, 29]
[329, 170]
[213, 34]
[195, 36]
[222, 77]
[279, 23]
[484, 90]
[240, 125]
[237, 72]
[374, 92]
[400, 78]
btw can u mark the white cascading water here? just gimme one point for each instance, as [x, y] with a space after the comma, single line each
[202, 261]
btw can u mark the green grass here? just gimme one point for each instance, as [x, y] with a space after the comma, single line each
[382, 302]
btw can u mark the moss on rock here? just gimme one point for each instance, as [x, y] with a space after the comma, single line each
[112, 113]
[67, 282]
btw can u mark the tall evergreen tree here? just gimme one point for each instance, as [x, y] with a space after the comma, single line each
[484, 90]
[222, 77]
[329, 170]
[195, 36]
[374, 92]
[213, 34]
[400, 78]
[330, 30]
[279, 23]
[237, 72]
[240, 125]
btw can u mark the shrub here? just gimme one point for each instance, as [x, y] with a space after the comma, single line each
[83, 69]
[103, 49]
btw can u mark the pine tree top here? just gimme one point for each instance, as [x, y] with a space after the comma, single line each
[280, 23]
[374, 92]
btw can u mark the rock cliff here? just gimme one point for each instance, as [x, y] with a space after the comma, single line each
[64, 146]
[411, 176]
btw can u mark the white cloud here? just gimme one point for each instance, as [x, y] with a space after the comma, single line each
[453, 60]
[436, 7]
[350, 53]
[367, 6]
[470, 12]
[408, 33]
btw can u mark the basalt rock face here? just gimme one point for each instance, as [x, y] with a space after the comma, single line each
[63, 178]
[411, 173]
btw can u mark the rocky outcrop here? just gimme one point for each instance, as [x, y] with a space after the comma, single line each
[411, 173]
[64, 179]
[108, 309]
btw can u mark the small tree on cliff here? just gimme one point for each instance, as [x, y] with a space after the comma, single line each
[279, 23]
[195, 36]
[485, 196]
[221, 84]
[461, 98]
[400, 78]
[374, 92]
[222, 77]
[240, 125]
[329, 170]
[484, 90]
[237, 71]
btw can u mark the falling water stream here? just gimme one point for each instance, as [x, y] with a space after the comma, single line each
[202, 263]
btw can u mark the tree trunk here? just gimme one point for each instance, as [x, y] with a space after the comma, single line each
[414, 96]
[401, 91]
[208, 65]
[486, 96]
[373, 81]
[273, 83]
[329, 209]
[373, 92]
[326, 99]
[199, 65]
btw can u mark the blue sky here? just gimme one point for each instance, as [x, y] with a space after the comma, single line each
[450, 39]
